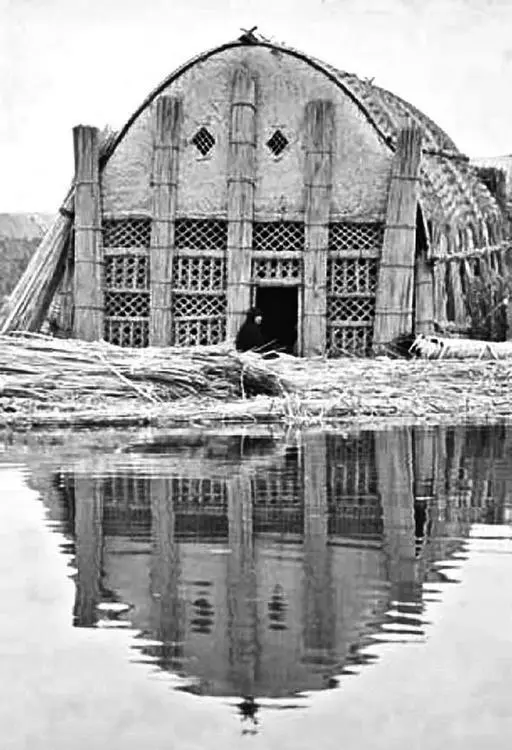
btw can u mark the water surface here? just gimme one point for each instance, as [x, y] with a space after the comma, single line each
[204, 590]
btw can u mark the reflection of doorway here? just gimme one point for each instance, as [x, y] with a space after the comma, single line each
[280, 307]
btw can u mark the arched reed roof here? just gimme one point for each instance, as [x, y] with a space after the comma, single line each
[461, 212]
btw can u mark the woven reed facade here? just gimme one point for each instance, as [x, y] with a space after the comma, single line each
[255, 167]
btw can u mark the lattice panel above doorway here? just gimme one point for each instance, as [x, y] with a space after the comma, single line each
[126, 282]
[278, 251]
[284, 270]
[276, 236]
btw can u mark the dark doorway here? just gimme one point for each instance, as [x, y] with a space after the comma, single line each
[279, 306]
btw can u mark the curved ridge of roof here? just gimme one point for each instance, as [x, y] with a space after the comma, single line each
[451, 195]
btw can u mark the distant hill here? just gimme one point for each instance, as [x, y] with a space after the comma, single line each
[20, 235]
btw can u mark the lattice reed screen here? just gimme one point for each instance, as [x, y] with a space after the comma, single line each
[277, 252]
[199, 282]
[279, 270]
[199, 492]
[354, 250]
[352, 490]
[276, 236]
[126, 247]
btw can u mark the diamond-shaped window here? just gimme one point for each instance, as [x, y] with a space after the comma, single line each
[203, 141]
[277, 143]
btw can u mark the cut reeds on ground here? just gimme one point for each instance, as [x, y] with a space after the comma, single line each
[46, 382]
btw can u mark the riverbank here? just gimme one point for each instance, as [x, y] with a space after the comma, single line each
[108, 387]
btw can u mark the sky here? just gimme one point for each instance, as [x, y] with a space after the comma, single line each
[70, 62]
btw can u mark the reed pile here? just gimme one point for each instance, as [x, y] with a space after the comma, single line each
[364, 390]
[42, 368]
[47, 382]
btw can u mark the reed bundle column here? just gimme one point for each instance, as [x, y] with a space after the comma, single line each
[456, 293]
[395, 482]
[88, 276]
[168, 116]
[395, 286]
[241, 186]
[319, 121]
[424, 296]
[167, 610]
[423, 288]
[318, 615]
[88, 503]
[243, 624]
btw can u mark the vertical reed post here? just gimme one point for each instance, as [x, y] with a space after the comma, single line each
[440, 314]
[395, 283]
[424, 295]
[457, 297]
[88, 276]
[167, 607]
[394, 463]
[241, 186]
[89, 548]
[506, 264]
[467, 282]
[65, 319]
[168, 117]
[243, 620]
[485, 268]
[424, 463]
[495, 295]
[319, 632]
[319, 123]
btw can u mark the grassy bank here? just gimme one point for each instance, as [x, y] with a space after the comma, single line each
[46, 383]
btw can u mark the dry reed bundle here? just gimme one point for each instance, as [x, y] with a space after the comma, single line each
[362, 390]
[48, 382]
[28, 304]
[43, 368]
[435, 347]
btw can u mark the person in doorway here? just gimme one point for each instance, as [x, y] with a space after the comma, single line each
[250, 335]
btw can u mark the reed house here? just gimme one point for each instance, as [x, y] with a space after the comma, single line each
[257, 175]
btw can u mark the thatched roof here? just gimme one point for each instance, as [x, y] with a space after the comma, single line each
[497, 170]
[452, 197]
[460, 211]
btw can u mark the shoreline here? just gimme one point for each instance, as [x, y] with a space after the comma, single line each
[347, 393]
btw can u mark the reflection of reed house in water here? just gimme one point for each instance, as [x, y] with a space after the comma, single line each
[264, 575]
